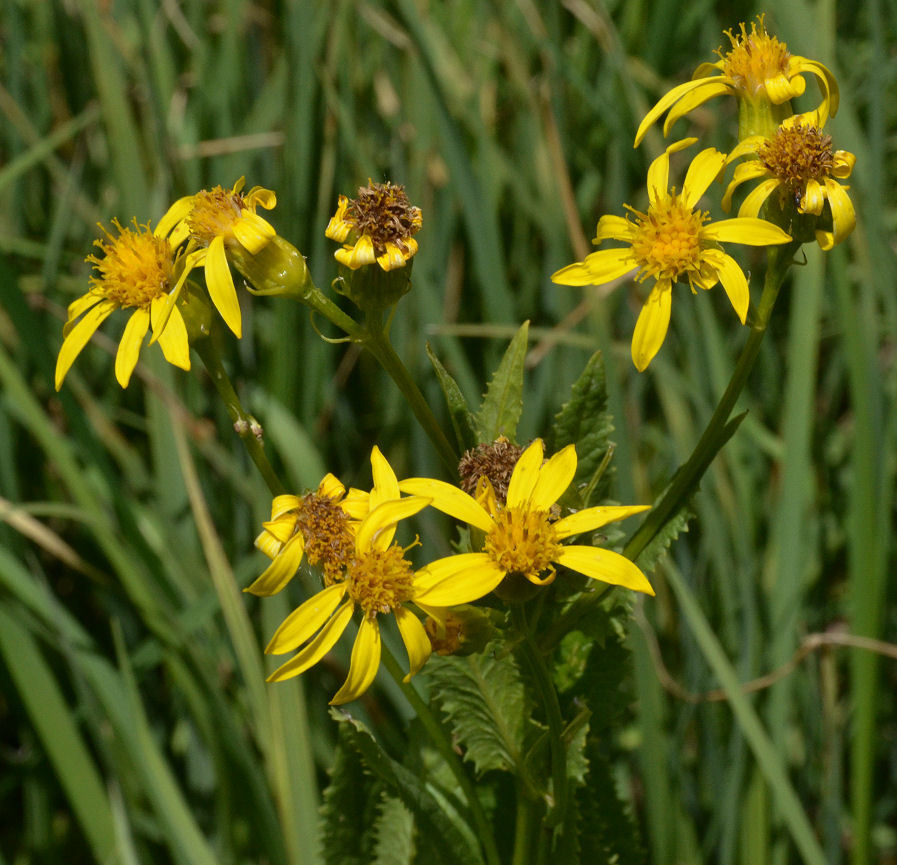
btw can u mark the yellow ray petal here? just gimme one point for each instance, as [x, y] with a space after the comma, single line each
[554, 478]
[417, 643]
[392, 258]
[317, 648]
[221, 286]
[525, 475]
[78, 307]
[305, 621]
[129, 347]
[614, 228]
[450, 500]
[704, 169]
[173, 340]
[261, 197]
[364, 663]
[712, 88]
[744, 229]
[175, 214]
[733, 279]
[253, 232]
[283, 504]
[269, 544]
[371, 532]
[756, 198]
[651, 327]
[594, 518]
[386, 484]
[844, 218]
[79, 336]
[659, 177]
[458, 579]
[597, 268]
[604, 565]
[744, 172]
[281, 570]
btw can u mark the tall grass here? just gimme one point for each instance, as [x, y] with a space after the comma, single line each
[134, 719]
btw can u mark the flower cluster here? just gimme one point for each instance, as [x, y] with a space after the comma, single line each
[350, 536]
[799, 197]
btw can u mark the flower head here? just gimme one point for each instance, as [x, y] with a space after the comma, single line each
[762, 74]
[377, 226]
[522, 537]
[672, 242]
[218, 220]
[139, 270]
[799, 164]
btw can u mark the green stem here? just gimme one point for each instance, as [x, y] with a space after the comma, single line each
[377, 343]
[548, 697]
[522, 827]
[443, 744]
[245, 425]
[717, 433]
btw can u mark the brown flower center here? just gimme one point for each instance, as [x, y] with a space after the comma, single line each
[494, 462]
[329, 540]
[383, 212]
[214, 213]
[796, 154]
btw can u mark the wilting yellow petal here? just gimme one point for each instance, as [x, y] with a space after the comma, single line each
[221, 286]
[305, 621]
[554, 478]
[604, 565]
[614, 228]
[392, 258]
[651, 327]
[283, 504]
[261, 197]
[415, 638]
[450, 500]
[594, 518]
[844, 218]
[364, 663]
[269, 544]
[129, 347]
[814, 198]
[458, 579]
[253, 232]
[281, 570]
[317, 648]
[525, 475]
[79, 336]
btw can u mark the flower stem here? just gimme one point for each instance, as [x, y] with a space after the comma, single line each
[548, 697]
[718, 429]
[443, 744]
[245, 425]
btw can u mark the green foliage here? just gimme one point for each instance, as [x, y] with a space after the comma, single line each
[484, 699]
[463, 422]
[503, 401]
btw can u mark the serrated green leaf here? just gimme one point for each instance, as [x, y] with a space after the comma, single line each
[484, 698]
[503, 400]
[430, 817]
[459, 412]
[394, 830]
[349, 805]
[660, 543]
[584, 421]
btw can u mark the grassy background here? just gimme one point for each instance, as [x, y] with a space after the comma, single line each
[134, 722]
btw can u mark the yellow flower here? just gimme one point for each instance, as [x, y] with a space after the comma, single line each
[521, 537]
[378, 579]
[798, 162]
[758, 70]
[320, 526]
[141, 269]
[673, 242]
[215, 220]
[377, 226]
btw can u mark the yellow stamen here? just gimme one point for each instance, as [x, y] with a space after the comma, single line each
[380, 580]
[523, 542]
[667, 241]
[215, 212]
[755, 57]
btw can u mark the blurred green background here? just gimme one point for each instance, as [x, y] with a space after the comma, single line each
[135, 725]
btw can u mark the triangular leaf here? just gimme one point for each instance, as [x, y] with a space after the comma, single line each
[394, 831]
[462, 419]
[484, 698]
[584, 421]
[503, 400]
[430, 817]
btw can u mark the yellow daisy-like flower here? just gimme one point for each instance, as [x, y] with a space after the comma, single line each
[215, 220]
[757, 69]
[140, 269]
[673, 242]
[320, 526]
[377, 226]
[378, 579]
[521, 537]
[797, 162]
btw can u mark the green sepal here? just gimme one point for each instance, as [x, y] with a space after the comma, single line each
[430, 817]
[484, 699]
[503, 401]
[463, 422]
[584, 421]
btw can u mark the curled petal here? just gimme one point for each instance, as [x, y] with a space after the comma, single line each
[306, 620]
[605, 565]
[814, 198]
[844, 218]
[317, 648]
[359, 255]
[261, 197]
[129, 347]
[844, 162]
[281, 570]
[781, 88]
[614, 228]
[651, 327]
[392, 258]
[828, 85]
[78, 337]
[283, 504]
[364, 663]
[253, 232]
[415, 638]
